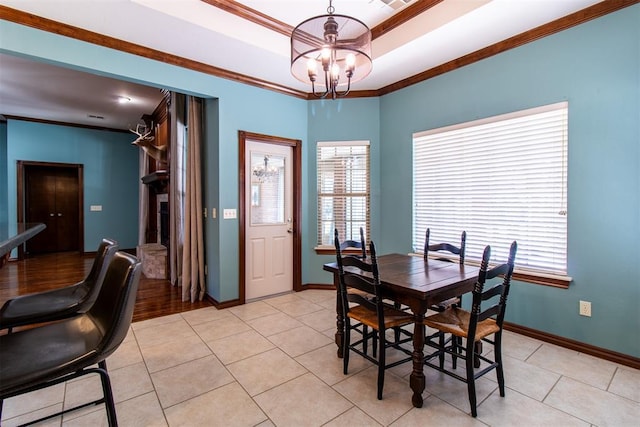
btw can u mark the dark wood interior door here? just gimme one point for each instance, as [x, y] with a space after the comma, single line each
[52, 196]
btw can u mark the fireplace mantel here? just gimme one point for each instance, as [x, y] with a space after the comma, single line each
[157, 180]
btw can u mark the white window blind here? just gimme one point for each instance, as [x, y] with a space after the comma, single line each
[343, 190]
[500, 179]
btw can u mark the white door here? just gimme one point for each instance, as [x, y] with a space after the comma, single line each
[269, 237]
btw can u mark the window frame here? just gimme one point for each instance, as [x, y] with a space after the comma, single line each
[327, 249]
[532, 274]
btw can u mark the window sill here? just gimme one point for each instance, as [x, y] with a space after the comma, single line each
[555, 281]
[330, 250]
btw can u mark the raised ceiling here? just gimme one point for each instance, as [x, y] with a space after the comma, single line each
[249, 38]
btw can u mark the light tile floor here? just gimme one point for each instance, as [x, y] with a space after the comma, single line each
[273, 362]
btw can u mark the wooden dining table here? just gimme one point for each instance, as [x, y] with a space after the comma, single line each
[417, 283]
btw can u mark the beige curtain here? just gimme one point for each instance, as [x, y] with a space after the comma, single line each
[176, 187]
[193, 282]
[186, 251]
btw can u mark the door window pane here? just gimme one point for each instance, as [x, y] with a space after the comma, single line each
[267, 189]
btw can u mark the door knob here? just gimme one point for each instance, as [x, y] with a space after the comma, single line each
[52, 214]
[59, 214]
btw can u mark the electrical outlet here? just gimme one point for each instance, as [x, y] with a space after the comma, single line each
[585, 308]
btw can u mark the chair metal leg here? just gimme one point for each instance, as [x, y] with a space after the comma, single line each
[108, 394]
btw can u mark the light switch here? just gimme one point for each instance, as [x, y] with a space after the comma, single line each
[229, 213]
[95, 208]
[214, 213]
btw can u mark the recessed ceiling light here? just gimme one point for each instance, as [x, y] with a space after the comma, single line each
[123, 99]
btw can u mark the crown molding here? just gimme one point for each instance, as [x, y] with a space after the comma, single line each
[51, 26]
[58, 123]
[576, 18]
[273, 24]
[252, 15]
[553, 27]
[404, 15]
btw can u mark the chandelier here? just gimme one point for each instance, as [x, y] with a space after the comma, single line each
[266, 172]
[325, 48]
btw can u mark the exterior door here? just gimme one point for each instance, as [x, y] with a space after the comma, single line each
[52, 196]
[269, 219]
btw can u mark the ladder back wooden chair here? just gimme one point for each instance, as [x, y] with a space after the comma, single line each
[354, 244]
[361, 313]
[476, 326]
[444, 249]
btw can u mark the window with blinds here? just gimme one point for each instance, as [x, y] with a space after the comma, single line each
[343, 190]
[501, 179]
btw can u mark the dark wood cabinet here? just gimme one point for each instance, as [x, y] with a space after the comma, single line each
[158, 178]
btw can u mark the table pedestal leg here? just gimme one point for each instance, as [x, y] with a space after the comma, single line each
[416, 380]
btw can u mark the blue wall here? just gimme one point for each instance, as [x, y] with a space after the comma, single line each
[4, 202]
[237, 106]
[242, 107]
[110, 173]
[340, 120]
[596, 68]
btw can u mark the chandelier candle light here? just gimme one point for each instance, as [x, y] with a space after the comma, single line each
[339, 44]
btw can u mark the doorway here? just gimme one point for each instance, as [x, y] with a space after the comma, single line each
[51, 193]
[269, 212]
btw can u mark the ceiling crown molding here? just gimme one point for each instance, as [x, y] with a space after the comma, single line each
[51, 26]
[571, 20]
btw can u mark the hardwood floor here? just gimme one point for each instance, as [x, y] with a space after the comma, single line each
[155, 297]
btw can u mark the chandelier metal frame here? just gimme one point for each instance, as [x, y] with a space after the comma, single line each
[339, 44]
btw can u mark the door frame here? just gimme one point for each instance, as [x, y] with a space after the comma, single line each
[296, 145]
[21, 189]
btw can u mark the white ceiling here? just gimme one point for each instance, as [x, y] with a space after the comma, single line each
[196, 30]
[47, 92]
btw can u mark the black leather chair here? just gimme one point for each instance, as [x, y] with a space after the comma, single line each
[361, 313]
[42, 356]
[59, 303]
[476, 326]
